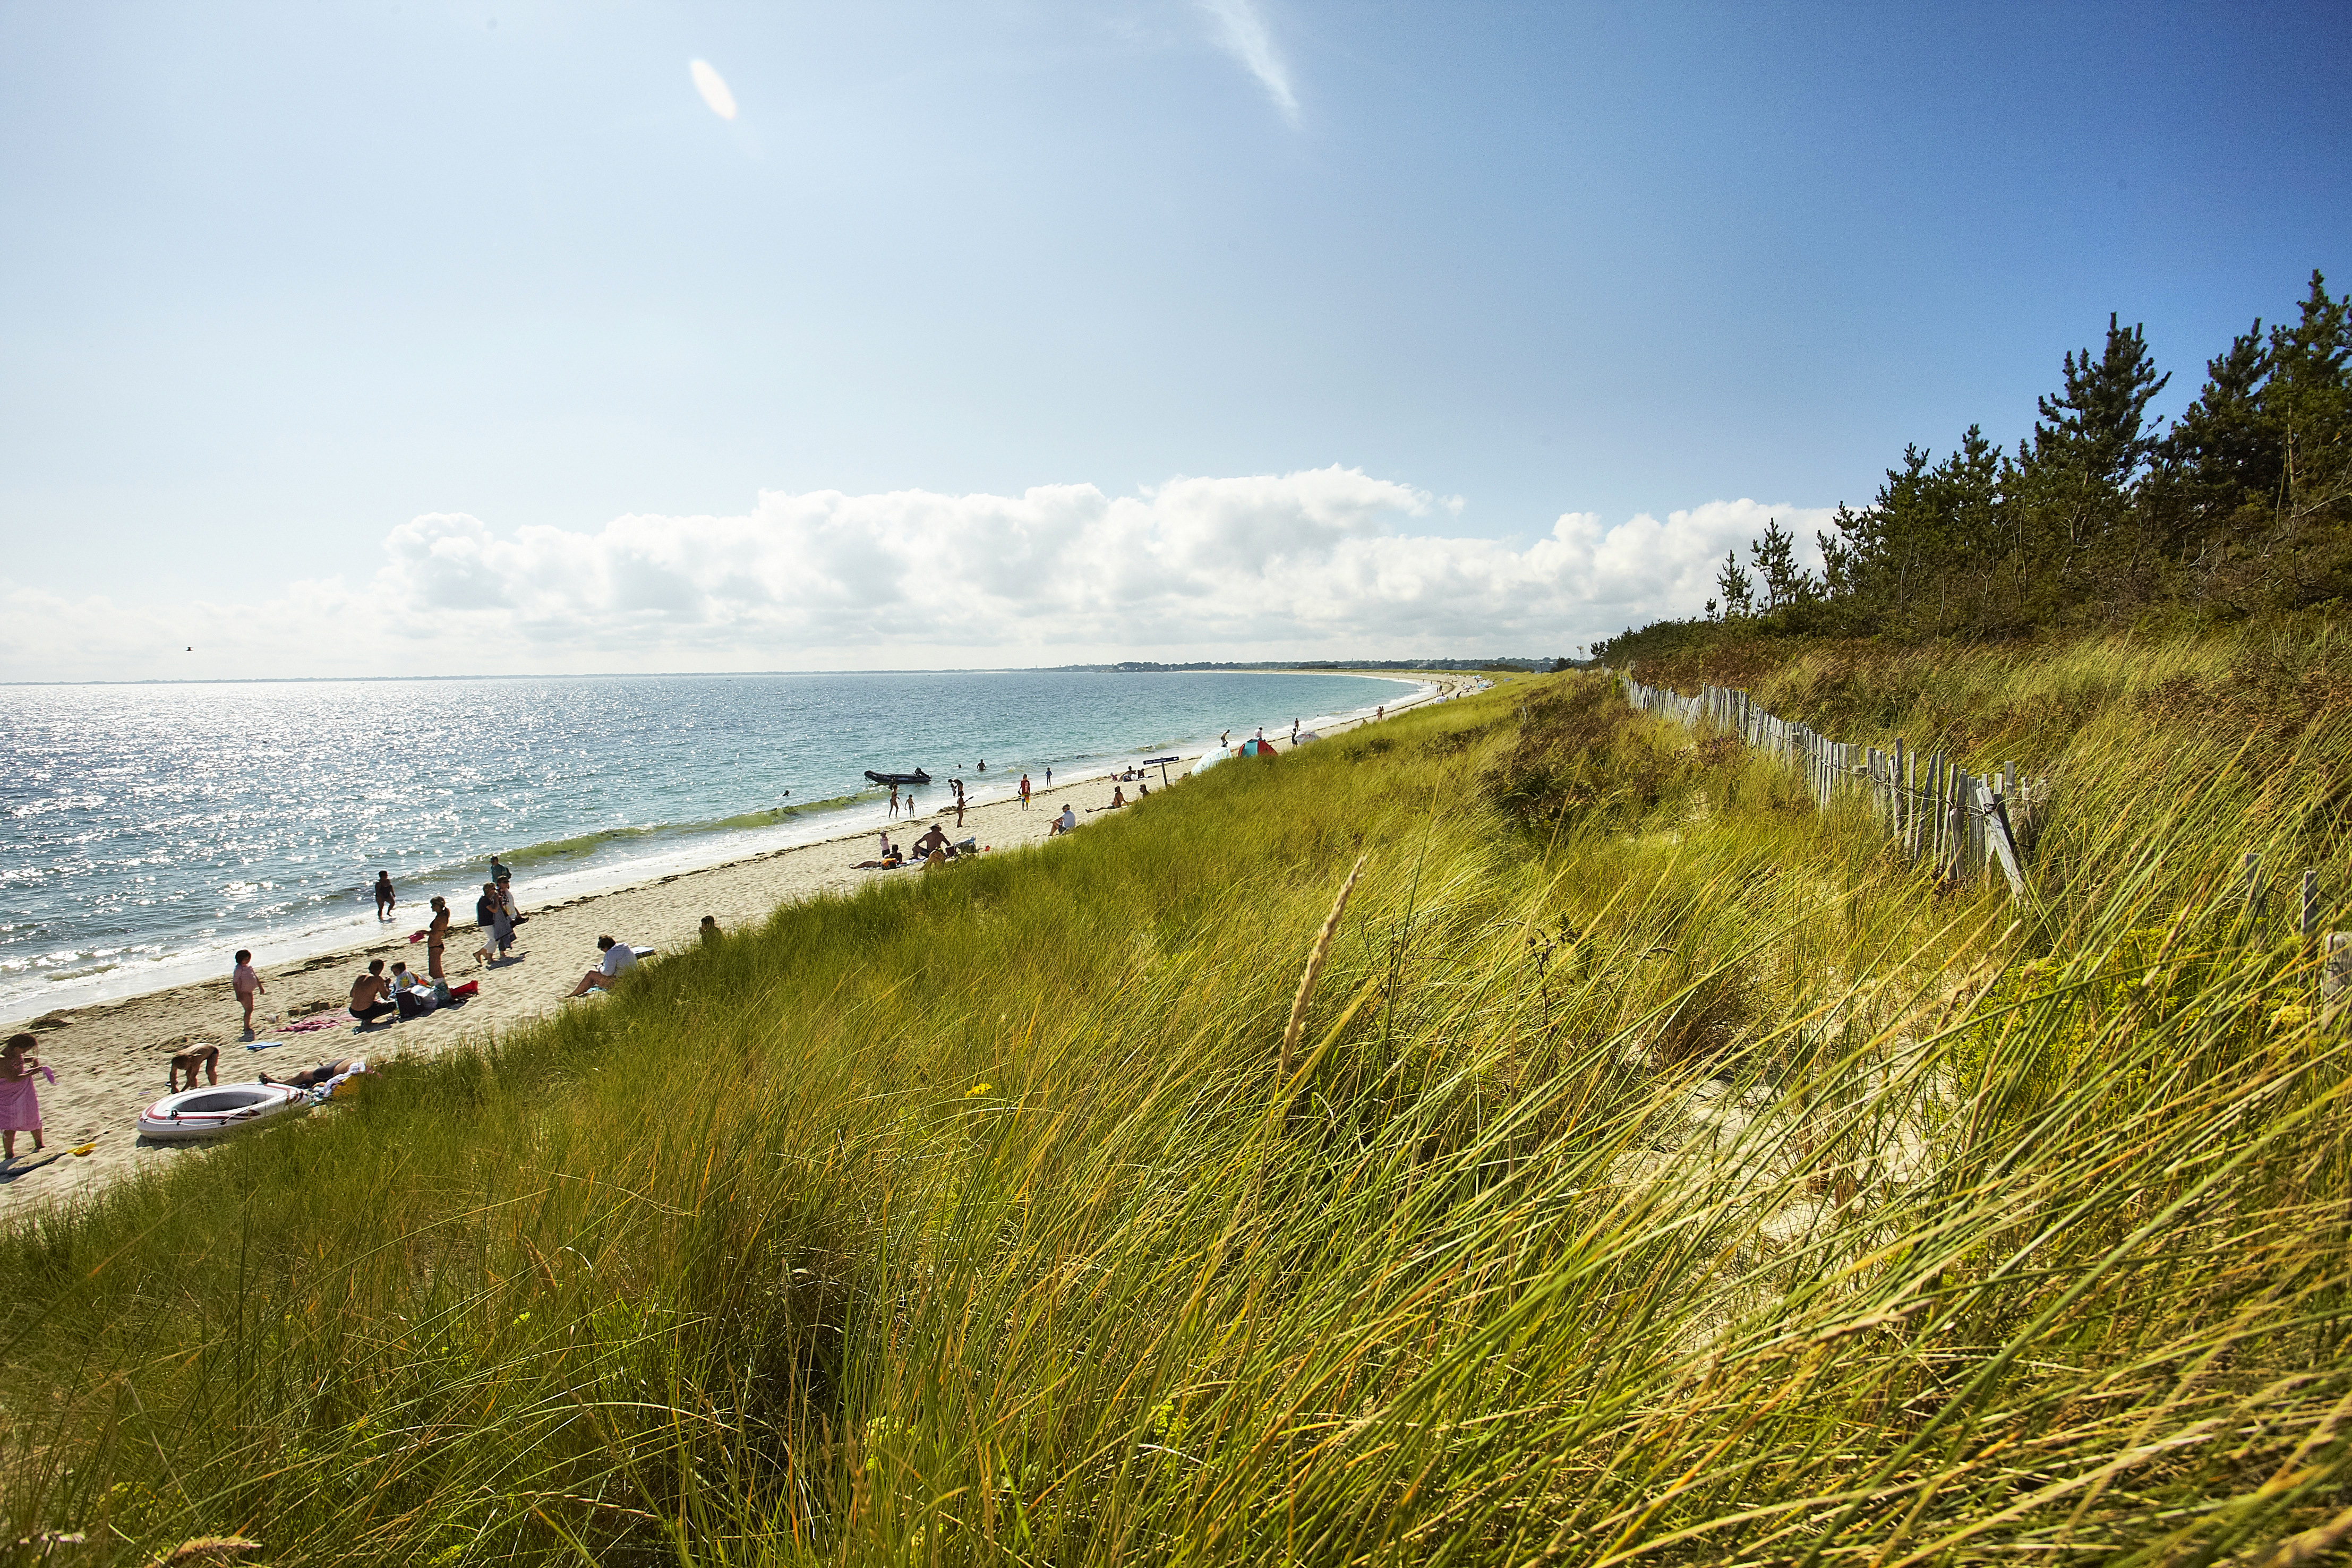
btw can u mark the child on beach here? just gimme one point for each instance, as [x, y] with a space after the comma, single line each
[205, 1058]
[246, 980]
[20, 1105]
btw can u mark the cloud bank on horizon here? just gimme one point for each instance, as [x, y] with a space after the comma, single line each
[1320, 563]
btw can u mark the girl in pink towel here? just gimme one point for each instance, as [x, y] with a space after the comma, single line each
[20, 1107]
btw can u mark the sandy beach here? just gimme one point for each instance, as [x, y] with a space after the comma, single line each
[110, 1057]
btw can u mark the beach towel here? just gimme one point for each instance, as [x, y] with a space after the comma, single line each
[20, 1106]
[312, 1025]
[469, 988]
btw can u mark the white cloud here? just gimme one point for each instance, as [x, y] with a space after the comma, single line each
[1322, 562]
[1242, 32]
[713, 89]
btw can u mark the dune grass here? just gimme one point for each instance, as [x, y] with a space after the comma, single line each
[1665, 1172]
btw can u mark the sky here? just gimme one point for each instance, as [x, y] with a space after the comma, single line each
[503, 337]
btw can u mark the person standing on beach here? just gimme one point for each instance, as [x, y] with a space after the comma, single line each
[1025, 792]
[384, 895]
[1380, 713]
[489, 914]
[1049, 779]
[245, 981]
[893, 802]
[501, 873]
[435, 936]
[20, 1103]
[959, 809]
[1294, 732]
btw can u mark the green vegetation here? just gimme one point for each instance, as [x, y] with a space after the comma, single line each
[2242, 506]
[1667, 1173]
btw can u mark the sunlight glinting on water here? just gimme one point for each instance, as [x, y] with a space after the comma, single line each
[142, 825]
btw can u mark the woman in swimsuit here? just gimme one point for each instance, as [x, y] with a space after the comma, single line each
[435, 936]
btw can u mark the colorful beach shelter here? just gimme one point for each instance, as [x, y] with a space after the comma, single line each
[1255, 748]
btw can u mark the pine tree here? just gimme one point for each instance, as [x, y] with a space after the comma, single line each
[1738, 589]
[1785, 582]
[2095, 427]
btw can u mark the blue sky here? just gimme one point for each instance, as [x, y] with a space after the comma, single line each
[404, 311]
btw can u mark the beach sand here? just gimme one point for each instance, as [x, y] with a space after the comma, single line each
[110, 1057]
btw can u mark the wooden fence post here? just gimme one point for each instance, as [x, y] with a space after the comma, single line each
[2004, 846]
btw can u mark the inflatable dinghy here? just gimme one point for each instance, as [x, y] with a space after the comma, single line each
[195, 1113]
[917, 777]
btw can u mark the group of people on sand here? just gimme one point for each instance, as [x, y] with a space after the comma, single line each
[934, 848]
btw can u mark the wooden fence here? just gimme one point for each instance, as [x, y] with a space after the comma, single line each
[1963, 826]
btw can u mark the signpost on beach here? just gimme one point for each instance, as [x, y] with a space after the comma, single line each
[1163, 762]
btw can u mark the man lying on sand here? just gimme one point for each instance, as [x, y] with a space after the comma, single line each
[619, 959]
[311, 1077]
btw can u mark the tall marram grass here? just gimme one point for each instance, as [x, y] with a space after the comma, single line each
[1664, 1174]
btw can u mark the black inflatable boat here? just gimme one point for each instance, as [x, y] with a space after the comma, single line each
[917, 777]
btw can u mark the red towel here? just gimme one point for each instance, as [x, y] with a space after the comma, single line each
[468, 989]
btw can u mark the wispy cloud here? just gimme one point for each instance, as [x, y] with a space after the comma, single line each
[1323, 562]
[1242, 32]
[713, 89]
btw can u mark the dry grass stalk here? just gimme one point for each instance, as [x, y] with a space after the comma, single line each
[1315, 966]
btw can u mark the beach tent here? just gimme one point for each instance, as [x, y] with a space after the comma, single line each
[1209, 759]
[1255, 748]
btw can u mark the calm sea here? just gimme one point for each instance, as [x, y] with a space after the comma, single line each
[147, 832]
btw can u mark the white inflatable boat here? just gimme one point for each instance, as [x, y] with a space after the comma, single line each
[195, 1114]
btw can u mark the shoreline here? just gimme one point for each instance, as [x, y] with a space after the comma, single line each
[105, 1051]
[576, 869]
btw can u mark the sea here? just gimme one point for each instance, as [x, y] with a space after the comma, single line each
[147, 832]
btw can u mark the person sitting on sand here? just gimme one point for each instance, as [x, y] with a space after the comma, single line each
[618, 960]
[931, 843]
[367, 1002]
[20, 1104]
[711, 931]
[412, 995]
[1067, 822]
[1118, 798]
[206, 1057]
[313, 1077]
